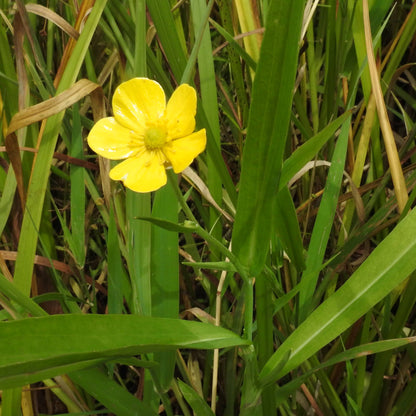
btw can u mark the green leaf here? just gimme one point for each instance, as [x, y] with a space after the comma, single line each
[168, 34]
[38, 344]
[24, 377]
[186, 226]
[6, 200]
[388, 265]
[165, 275]
[359, 351]
[198, 404]
[77, 192]
[110, 394]
[139, 251]
[323, 223]
[235, 45]
[301, 156]
[9, 289]
[212, 265]
[116, 273]
[41, 169]
[267, 132]
[287, 227]
[251, 404]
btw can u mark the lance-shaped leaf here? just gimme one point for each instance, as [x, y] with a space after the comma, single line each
[43, 347]
[389, 264]
[267, 132]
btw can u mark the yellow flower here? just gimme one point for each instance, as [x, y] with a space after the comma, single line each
[149, 134]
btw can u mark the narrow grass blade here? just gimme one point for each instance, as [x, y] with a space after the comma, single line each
[166, 30]
[406, 403]
[251, 404]
[372, 404]
[235, 54]
[9, 85]
[197, 403]
[115, 269]
[234, 44]
[301, 156]
[405, 37]
[214, 152]
[249, 22]
[25, 377]
[11, 402]
[264, 336]
[40, 173]
[353, 353]
[212, 265]
[323, 223]
[399, 183]
[77, 191]
[287, 226]
[267, 132]
[6, 202]
[388, 265]
[210, 104]
[109, 393]
[9, 289]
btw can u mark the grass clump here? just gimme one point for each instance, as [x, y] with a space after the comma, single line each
[274, 274]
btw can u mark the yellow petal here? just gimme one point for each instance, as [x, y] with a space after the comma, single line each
[180, 112]
[143, 173]
[111, 140]
[181, 152]
[137, 101]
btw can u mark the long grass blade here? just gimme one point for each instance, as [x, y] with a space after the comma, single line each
[389, 264]
[267, 132]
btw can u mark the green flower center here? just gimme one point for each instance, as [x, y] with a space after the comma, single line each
[155, 137]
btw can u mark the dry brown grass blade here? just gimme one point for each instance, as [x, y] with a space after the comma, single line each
[18, 39]
[13, 151]
[53, 17]
[52, 106]
[27, 28]
[53, 264]
[43, 111]
[20, 28]
[60, 156]
[397, 37]
[199, 184]
[4, 269]
[391, 149]
[84, 10]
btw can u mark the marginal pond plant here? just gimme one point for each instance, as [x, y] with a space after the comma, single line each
[206, 207]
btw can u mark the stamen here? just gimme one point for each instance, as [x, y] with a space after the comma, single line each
[155, 137]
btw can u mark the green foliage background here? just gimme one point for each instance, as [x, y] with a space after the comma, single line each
[275, 276]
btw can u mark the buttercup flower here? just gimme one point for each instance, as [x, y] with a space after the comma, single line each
[149, 134]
